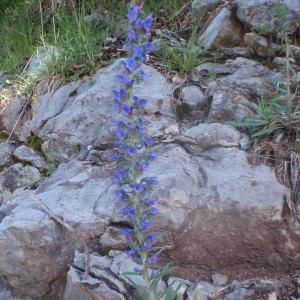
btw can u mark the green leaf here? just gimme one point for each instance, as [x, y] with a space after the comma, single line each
[265, 131]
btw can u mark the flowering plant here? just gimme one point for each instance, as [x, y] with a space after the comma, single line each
[133, 156]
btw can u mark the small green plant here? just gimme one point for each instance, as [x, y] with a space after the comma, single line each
[35, 143]
[281, 120]
[185, 57]
[51, 164]
[272, 117]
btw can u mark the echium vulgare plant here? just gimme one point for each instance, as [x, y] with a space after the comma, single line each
[133, 155]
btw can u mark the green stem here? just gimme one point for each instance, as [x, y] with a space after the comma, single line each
[288, 80]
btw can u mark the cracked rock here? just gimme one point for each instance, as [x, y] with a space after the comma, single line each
[27, 154]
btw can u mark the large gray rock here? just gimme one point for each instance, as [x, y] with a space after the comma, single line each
[29, 239]
[107, 270]
[16, 178]
[14, 114]
[230, 211]
[90, 288]
[208, 136]
[258, 44]
[223, 31]
[27, 154]
[80, 114]
[235, 96]
[18, 175]
[193, 97]
[261, 16]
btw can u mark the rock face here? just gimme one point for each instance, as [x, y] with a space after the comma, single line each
[27, 154]
[194, 98]
[258, 44]
[224, 30]
[14, 115]
[235, 96]
[18, 177]
[80, 114]
[261, 15]
[105, 279]
[29, 239]
[229, 204]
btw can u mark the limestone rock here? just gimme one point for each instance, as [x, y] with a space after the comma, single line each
[180, 285]
[223, 31]
[80, 114]
[14, 114]
[203, 290]
[235, 96]
[240, 294]
[208, 136]
[27, 154]
[29, 239]
[6, 149]
[235, 52]
[113, 238]
[258, 44]
[228, 202]
[260, 15]
[88, 289]
[19, 175]
[219, 279]
[194, 98]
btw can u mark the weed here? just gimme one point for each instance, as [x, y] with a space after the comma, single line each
[35, 143]
[185, 57]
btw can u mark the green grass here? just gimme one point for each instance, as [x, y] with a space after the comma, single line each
[78, 42]
[183, 58]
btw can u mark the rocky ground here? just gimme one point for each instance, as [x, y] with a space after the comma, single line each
[226, 218]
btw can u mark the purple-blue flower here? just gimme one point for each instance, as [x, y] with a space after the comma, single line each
[153, 258]
[145, 224]
[153, 211]
[151, 237]
[119, 175]
[130, 253]
[132, 145]
[148, 22]
[149, 141]
[151, 46]
[149, 201]
[153, 180]
[126, 109]
[138, 51]
[138, 188]
[148, 246]
[120, 134]
[124, 79]
[133, 13]
[132, 150]
[130, 64]
[127, 212]
[115, 155]
[132, 35]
